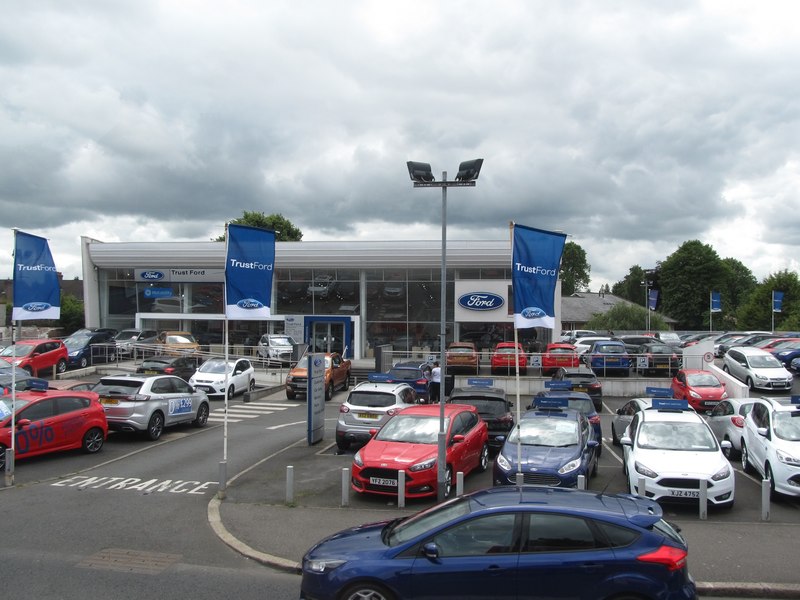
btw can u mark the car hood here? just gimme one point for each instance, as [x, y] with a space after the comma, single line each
[709, 393]
[350, 543]
[695, 464]
[541, 457]
[397, 454]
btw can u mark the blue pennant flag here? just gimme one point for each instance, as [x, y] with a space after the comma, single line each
[249, 266]
[652, 299]
[716, 302]
[777, 301]
[535, 264]
[37, 294]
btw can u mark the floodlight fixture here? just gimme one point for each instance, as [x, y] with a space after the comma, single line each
[469, 170]
[420, 172]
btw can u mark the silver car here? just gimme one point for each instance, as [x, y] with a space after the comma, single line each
[149, 403]
[368, 406]
[726, 420]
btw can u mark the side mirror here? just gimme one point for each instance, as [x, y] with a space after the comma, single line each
[430, 550]
[626, 441]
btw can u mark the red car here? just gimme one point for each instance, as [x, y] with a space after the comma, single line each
[37, 356]
[559, 355]
[50, 421]
[700, 388]
[408, 442]
[503, 359]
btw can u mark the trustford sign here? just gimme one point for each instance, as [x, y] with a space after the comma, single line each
[481, 301]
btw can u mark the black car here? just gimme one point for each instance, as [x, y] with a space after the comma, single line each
[493, 407]
[182, 366]
[658, 358]
[582, 379]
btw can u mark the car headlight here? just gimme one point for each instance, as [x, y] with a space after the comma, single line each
[425, 464]
[758, 377]
[787, 459]
[724, 395]
[642, 470]
[723, 473]
[502, 462]
[570, 466]
[323, 565]
[694, 394]
[357, 459]
[75, 353]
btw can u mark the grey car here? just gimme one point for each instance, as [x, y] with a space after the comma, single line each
[147, 404]
[368, 406]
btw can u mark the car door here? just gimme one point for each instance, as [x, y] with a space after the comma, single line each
[170, 401]
[758, 449]
[718, 418]
[72, 414]
[186, 396]
[239, 376]
[39, 435]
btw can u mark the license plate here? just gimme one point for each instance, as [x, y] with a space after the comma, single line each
[579, 389]
[151, 372]
[383, 482]
[368, 416]
[684, 493]
[109, 401]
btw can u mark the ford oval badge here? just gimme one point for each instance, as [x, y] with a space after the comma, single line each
[481, 301]
[152, 275]
[249, 304]
[533, 312]
[36, 306]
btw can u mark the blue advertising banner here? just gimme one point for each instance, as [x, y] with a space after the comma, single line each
[535, 263]
[249, 266]
[37, 294]
[777, 301]
[716, 302]
[652, 299]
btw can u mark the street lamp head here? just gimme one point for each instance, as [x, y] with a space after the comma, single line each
[469, 170]
[420, 172]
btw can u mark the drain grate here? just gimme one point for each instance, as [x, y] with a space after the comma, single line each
[129, 561]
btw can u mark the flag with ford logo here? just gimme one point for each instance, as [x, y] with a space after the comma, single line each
[249, 265]
[37, 294]
[535, 263]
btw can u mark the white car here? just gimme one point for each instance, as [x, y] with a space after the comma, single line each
[757, 368]
[771, 445]
[210, 377]
[672, 449]
[368, 406]
[276, 347]
[583, 344]
[727, 422]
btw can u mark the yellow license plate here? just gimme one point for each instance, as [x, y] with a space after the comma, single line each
[368, 416]
[110, 401]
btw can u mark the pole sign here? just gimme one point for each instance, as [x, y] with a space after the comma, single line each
[315, 397]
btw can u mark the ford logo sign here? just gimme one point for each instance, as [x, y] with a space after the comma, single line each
[533, 312]
[318, 362]
[36, 306]
[481, 301]
[249, 304]
[152, 275]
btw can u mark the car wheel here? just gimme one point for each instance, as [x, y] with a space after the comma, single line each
[448, 481]
[367, 591]
[725, 369]
[614, 438]
[290, 395]
[155, 427]
[112, 357]
[28, 369]
[729, 453]
[83, 363]
[768, 475]
[231, 392]
[596, 465]
[346, 384]
[61, 366]
[202, 416]
[92, 440]
[746, 466]
[329, 392]
[483, 459]
[252, 385]
[749, 383]
[342, 445]
[2, 457]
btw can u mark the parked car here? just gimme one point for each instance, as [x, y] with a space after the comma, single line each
[657, 358]
[51, 421]
[746, 340]
[211, 375]
[624, 417]
[559, 355]
[570, 335]
[337, 376]
[19, 378]
[726, 420]
[128, 339]
[493, 406]
[551, 446]
[771, 444]
[408, 442]
[582, 379]
[176, 342]
[633, 342]
[75, 385]
[787, 354]
[323, 287]
[544, 536]
[670, 338]
[608, 356]
[182, 366]
[671, 451]
[583, 344]
[276, 348]
[757, 368]
[368, 406]
[463, 356]
[37, 356]
[506, 356]
[701, 389]
[694, 338]
[90, 348]
[417, 374]
[579, 401]
[149, 403]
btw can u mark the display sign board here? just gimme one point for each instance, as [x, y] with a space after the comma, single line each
[315, 397]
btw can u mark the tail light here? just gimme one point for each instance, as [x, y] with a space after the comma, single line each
[344, 409]
[421, 381]
[594, 386]
[672, 558]
[595, 420]
[393, 411]
[169, 370]
[738, 421]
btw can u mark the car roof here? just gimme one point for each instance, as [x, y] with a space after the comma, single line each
[578, 371]
[432, 410]
[379, 386]
[477, 391]
[571, 414]
[35, 341]
[671, 415]
[52, 393]
[409, 365]
[749, 350]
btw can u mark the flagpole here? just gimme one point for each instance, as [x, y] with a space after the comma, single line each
[11, 452]
[223, 465]
[516, 353]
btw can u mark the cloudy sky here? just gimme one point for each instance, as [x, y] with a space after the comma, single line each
[632, 126]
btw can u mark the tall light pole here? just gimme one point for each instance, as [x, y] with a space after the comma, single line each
[422, 176]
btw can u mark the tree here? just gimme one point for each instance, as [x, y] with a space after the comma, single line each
[72, 315]
[632, 286]
[574, 269]
[284, 229]
[685, 279]
[756, 312]
[625, 316]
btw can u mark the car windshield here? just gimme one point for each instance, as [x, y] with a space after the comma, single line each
[180, 338]
[303, 362]
[117, 386]
[125, 336]
[659, 349]
[561, 351]
[703, 380]
[459, 350]
[155, 363]
[215, 366]
[507, 351]
[787, 425]
[407, 529]
[766, 361]
[553, 432]
[5, 406]
[487, 407]
[17, 350]
[412, 429]
[404, 373]
[76, 342]
[371, 399]
[664, 435]
[609, 348]
[672, 337]
[279, 341]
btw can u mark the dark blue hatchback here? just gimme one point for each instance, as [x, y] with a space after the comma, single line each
[526, 542]
[414, 373]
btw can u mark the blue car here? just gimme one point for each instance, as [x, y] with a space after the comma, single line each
[580, 401]
[606, 357]
[787, 355]
[86, 349]
[414, 373]
[507, 542]
[556, 445]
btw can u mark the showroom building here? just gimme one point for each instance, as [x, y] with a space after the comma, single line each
[345, 296]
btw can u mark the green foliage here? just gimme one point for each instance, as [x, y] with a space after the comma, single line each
[756, 312]
[574, 269]
[631, 287]
[626, 317]
[72, 315]
[686, 278]
[284, 229]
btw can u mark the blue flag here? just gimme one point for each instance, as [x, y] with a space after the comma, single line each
[716, 302]
[535, 264]
[777, 301]
[37, 294]
[249, 266]
[652, 299]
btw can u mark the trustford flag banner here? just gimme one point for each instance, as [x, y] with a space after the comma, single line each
[777, 301]
[249, 266]
[37, 294]
[652, 299]
[535, 262]
[716, 302]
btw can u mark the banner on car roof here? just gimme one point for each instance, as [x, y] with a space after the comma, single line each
[37, 294]
[535, 263]
[249, 265]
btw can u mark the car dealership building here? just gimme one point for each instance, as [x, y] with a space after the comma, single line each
[336, 296]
